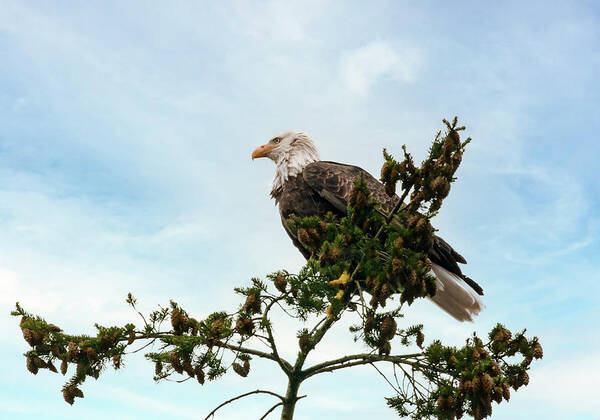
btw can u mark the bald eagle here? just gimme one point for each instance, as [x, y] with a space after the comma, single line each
[306, 186]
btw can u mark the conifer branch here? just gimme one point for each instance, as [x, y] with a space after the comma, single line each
[360, 359]
[285, 366]
[229, 401]
[270, 410]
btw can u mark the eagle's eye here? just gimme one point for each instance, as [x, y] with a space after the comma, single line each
[276, 140]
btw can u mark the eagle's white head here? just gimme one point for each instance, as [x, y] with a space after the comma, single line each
[291, 151]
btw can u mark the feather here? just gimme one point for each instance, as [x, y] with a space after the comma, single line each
[454, 295]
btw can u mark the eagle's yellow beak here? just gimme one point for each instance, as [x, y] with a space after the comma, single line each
[262, 151]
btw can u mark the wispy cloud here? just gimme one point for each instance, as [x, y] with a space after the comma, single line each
[362, 67]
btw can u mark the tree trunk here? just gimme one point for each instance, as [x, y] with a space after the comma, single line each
[291, 396]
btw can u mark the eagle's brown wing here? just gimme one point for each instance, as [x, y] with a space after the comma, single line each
[333, 182]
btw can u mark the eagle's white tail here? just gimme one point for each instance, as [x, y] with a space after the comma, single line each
[455, 296]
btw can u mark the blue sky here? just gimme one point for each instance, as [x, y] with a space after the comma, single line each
[125, 141]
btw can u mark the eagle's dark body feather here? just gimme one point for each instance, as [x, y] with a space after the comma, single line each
[324, 186]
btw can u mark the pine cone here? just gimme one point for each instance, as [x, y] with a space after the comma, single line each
[399, 242]
[334, 253]
[242, 370]
[440, 187]
[314, 235]
[280, 283]
[386, 171]
[322, 226]
[497, 394]
[496, 369]
[466, 386]
[411, 278]
[33, 337]
[55, 351]
[397, 265]
[386, 292]
[477, 353]
[72, 351]
[371, 282]
[305, 343]
[116, 361]
[476, 382]
[423, 225]
[537, 351]
[189, 369]
[456, 160]
[487, 383]
[506, 391]
[28, 336]
[215, 327]
[442, 403]
[252, 304]
[90, 352]
[177, 321]
[420, 339]
[412, 222]
[523, 378]
[406, 167]
[31, 366]
[175, 362]
[388, 328]
[390, 188]
[452, 140]
[303, 237]
[502, 335]
[199, 374]
[68, 396]
[244, 326]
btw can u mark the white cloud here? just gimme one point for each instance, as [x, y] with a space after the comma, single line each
[569, 386]
[362, 67]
